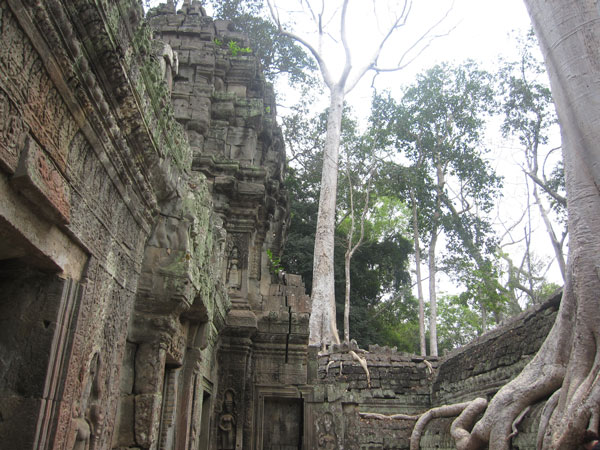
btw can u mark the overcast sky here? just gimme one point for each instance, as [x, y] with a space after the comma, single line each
[482, 30]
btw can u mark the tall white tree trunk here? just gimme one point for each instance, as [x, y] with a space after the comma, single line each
[347, 298]
[417, 245]
[433, 350]
[323, 328]
[433, 347]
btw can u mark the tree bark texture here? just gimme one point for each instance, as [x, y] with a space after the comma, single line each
[569, 36]
[569, 360]
[323, 328]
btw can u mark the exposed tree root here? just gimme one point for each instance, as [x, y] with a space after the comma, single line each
[384, 417]
[363, 363]
[460, 426]
[578, 401]
[594, 419]
[545, 417]
[532, 385]
[540, 378]
[429, 368]
[329, 364]
[516, 423]
[441, 411]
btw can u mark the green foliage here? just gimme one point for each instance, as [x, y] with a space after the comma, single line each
[458, 322]
[235, 48]
[438, 127]
[274, 263]
[530, 116]
[546, 290]
[278, 54]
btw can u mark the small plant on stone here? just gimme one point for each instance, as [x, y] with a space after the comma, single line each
[235, 48]
[274, 263]
[217, 42]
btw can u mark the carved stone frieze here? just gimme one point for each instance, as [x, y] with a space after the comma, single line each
[13, 132]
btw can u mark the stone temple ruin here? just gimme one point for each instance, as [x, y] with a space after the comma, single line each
[141, 185]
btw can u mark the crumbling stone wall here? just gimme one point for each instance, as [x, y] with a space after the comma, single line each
[81, 176]
[228, 113]
[410, 385]
[397, 383]
[481, 368]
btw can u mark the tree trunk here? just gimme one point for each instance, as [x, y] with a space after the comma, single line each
[569, 35]
[556, 244]
[323, 328]
[415, 226]
[433, 350]
[347, 297]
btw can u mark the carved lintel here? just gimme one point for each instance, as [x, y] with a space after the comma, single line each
[39, 180]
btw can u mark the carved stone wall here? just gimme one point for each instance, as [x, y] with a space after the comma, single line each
[75, 214]
[396, 383]
[228, 113]
[140, 187]
[481, 368]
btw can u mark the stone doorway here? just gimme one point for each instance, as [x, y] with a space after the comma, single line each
[282, 423]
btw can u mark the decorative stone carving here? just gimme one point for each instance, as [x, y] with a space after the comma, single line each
[234, 274]
[87, 136]
[227, 423]
[13, 132]
[88, 415]
[169, 63]
[327, 439]
[39, 180]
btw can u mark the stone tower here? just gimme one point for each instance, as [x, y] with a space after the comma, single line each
[141, 187]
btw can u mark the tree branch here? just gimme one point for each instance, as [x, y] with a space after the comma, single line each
[399, 22]
[316, 54]
[556, 196]
[401, 64]
[348, 63]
